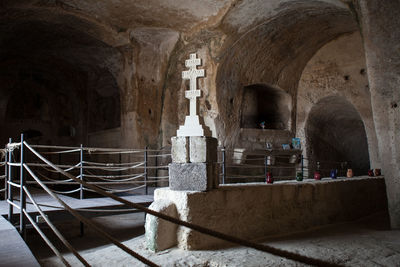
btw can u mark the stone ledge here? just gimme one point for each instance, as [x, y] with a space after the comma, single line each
[254, 211]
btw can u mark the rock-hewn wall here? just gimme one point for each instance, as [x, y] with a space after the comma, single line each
[381, 31]
[338, 71]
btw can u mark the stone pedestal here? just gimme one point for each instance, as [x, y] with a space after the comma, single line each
[193, 176]
[193, 166]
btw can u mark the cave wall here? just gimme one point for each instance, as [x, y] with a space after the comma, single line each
[380, 26]
[136, 49]
[338, 69]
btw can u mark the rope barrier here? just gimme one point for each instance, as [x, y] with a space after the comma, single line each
[120, 180]
[66, 192]
[110, 164]
[82, 167]
[92, 149]
[81, 218]
[261, 247]
[14, 184]
[76, 166]
[92, 175]
[55, 230]
[53, 180]
[83, 209]
[48, 242]
[10, 147]
[112, 190]
[62, 152]
[13, 204]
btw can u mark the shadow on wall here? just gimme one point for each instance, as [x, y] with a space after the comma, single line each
[335, 133]
[262, 103]
[56, 81]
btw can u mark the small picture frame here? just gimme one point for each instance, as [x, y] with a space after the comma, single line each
[296, 143]
[285, 146]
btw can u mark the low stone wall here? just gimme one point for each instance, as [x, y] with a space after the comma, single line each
[254, 211]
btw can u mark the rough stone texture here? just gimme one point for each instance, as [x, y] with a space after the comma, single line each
[255, 211]
[93, 66]
[334, 90]
[160, 234]
[203, 149]
[180, 149]
[193, 176]
[381, 32]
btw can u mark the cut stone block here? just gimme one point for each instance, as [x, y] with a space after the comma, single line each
[203, 149]
[160, 234]
[193, 176]
[180, 149]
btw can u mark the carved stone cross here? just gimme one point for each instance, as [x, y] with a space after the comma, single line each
[192, 74]
[192, 126]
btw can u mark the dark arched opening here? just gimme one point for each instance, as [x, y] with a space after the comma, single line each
[267, 105]
[57, 80]
[335, 133]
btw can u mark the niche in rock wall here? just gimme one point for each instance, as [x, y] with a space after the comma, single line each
[335, 133]
[104, 102]
[262, 103]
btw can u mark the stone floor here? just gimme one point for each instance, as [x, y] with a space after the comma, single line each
[366, 242]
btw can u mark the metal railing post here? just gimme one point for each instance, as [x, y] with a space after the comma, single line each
[81, 172]
[22, 195]
[302, 165]
[10, 193]
[81, 225]
[223, 165]
[145, 171]
[5, 175]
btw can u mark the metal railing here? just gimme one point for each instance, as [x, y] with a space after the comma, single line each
[27, 173]
[238, 166]
[134, 170]
[113, 170]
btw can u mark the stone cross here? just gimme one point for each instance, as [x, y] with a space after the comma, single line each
[192, 126]
[192, 74]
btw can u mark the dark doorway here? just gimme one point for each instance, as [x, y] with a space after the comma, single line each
[335, 133]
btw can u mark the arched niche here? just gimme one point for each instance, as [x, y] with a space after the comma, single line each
[265, 104]
[60, 81]
[335, 133]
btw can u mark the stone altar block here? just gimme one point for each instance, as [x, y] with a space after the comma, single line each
[193, 166]
[193, 176]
